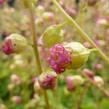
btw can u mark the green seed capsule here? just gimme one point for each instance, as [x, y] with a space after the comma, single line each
[79, 54]
[52, 35]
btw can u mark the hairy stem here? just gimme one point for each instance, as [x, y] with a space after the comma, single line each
[79, 30]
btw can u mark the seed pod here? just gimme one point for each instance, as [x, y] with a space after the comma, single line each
[79, 54]
[14, 43]
[48, 80]
[52, 35]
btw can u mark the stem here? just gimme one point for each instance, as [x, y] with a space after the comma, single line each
[35, 47]
[34, 38]
[80, 31]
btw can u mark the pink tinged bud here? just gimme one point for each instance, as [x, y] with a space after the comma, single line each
[59, 58]
[17, 99]
[48, 80]
[98, 66]
[14, 43]
[69, 82]
[49, 16]
[8, 47]
[88, 73]
[73, 82]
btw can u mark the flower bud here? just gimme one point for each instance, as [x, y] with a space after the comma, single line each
[14, 43]
[48, 80]
[49, 16]
[73, 82]
[79, 54]
[17, 99]
[52, 35]
[69, 82]
[98, 80]
[88, 73]
[59, 58]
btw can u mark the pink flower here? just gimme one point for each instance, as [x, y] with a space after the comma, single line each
[59, 58]
[8, 47]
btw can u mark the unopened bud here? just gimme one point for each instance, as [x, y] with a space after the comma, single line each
[48, 80]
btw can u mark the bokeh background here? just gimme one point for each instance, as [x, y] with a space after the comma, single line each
[18, 89]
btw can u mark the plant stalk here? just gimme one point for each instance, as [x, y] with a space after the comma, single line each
[35, 47]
